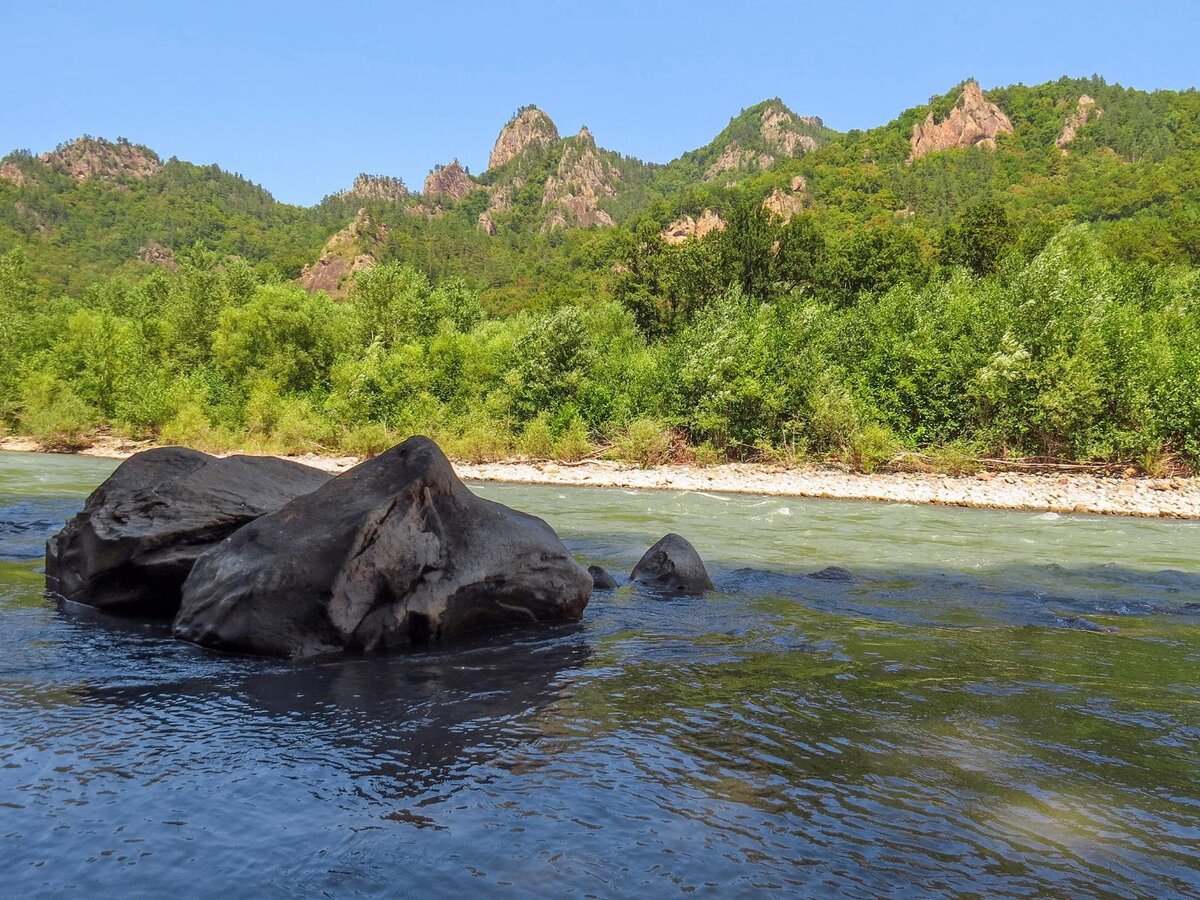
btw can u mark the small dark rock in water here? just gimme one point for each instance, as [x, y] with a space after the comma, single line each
[137, 537]
[601, 580]
[393, 553]
[832, 573]
[673, 563]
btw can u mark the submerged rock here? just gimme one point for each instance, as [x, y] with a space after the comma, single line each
[395, 552]
[832, 573]
[601, 579]
[673, 563]
[137, 537]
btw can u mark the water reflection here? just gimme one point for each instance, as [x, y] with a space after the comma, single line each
[996, 705]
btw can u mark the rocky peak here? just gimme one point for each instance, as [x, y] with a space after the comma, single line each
[348, 251]
[973, 122]
[573, 193]
[450, 181]
[777, 130]
[530, 127]
[90, 157]
[1085, 111]
[377, 187]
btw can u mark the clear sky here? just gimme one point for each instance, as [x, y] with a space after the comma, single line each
[301, 96]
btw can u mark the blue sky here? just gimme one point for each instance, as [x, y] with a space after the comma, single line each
[300, 96]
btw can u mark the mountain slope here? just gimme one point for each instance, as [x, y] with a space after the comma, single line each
[1073, 149]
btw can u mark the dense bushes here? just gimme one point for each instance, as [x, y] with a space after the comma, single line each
[1067, 353]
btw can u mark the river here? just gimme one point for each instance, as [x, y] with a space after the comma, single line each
[1000, 703]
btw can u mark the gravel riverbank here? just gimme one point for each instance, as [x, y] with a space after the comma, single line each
[1053, 492]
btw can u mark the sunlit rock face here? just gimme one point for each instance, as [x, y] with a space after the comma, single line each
[973, 122]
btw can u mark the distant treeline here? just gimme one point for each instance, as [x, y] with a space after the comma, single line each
[774, 339]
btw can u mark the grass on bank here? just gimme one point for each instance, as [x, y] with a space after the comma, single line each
[67, 425]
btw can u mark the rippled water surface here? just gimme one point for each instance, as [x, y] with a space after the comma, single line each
[1003, 703]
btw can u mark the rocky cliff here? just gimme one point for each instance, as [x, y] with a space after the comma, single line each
[735, 157]
[685, 227]
[377, 187]
[760, 135]
[778, 130]
[97, 158]
[784, 205]
[973, 122]
[1085, 111]
[10, 171]
[348, 251]
[529, 128]
[450, 181]
[583, 179]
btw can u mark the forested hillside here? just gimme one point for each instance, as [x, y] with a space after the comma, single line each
[1010, 271]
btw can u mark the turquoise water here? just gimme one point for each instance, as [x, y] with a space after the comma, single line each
[1001, 703]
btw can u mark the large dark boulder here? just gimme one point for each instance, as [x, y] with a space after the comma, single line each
[133, 544]
[673, 564]
[395, 552]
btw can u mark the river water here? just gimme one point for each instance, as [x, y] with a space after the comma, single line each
[1001, 703]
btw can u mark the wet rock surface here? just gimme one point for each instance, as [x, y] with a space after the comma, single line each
[601, 579]
[137, 537]
[673, 564]
[395, 552]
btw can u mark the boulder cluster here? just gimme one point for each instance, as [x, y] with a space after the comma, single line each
[263, 556]
[269, 557]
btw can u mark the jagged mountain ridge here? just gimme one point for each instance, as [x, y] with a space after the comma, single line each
[92, 206]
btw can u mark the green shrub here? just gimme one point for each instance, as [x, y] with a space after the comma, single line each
[573, 443]
[56, 417]
[644, 442]
[870, 447]
[190, 427]
[480, 442]
[367, 440]
[537, 441]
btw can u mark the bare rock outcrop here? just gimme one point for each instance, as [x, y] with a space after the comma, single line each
[157, 255]
[735, 157]
[530, 127]
[10, 171]
[345, 253]
[451, 182]
[784, 205]
[500, 197]
[486, 223]
[973, 122]
[1086, 111]
[97, 158]
[775, 131]
[685, 227]
[583, 179]
[377, 187]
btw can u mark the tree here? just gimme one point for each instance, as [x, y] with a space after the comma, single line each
[978, 238]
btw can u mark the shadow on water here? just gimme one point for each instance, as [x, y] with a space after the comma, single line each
[413, 721]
